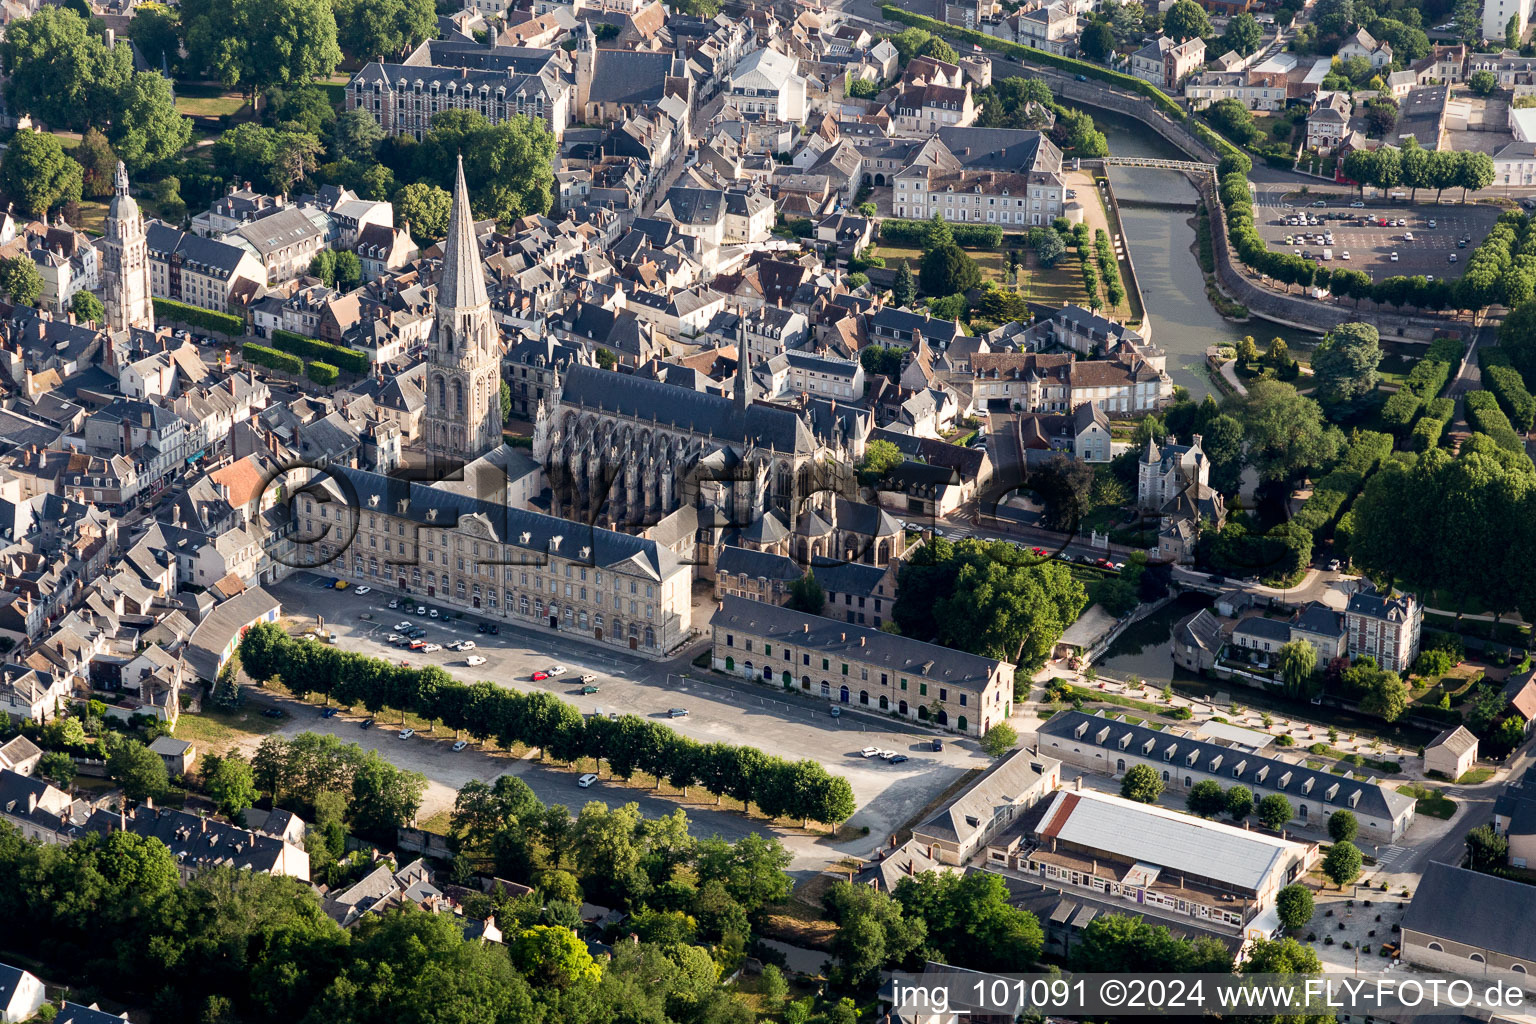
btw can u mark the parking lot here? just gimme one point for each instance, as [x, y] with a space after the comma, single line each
[719, 709]
[1370, 248]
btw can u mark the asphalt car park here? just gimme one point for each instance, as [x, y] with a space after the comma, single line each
[1370, 245]
[714, 708]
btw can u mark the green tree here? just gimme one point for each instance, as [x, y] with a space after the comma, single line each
[970, 917]
[1386, 696]
[507, 166]
[59, 72]
[1239, 802]
[806, 595]
[1345, 363]
[349, 270]
[230, 783]
[1142, 784]
[1482, 82]
[1098, 41]
[1187, 20]
[903, 290]
[1294, 905]
[938, 49]
[138, 770]
[424, 209]
[38, 174]
[384, 798]
[98, 164]
[386, 29]
[1342, 826]
[355, 135]
[1243, 34]
[1342, 864]
[553, 957]
[256, 44]
[145, 128]
[506, 401]
[1065, 488]
[87, 307]
[323, 266]
[1125, 944]
[156, 30]
[873, 931]
[880, 457]
[58, 768]
[1284, 431]
[999, 739]
[1206, 799]
[1486, 849]
[1298, 660]
[1274, 811]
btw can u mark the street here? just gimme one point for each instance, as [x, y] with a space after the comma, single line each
[719, 709]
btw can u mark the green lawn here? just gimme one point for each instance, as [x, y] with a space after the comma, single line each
[1430, 801]
[1475, 776]
[195, 100]
[216, 730]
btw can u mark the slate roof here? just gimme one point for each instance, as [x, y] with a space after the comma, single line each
[1001, 785]
[629, 76]
[463, 284]
[714, 416]
[531, 531]
[216, 259]
[1458, 740]
[898, 654]
[1000, 149]
[1469, 907]
[854, 578]
[10, 981]
[1260, 628]
[1375, 800]
[735, 561]
[1320, 620]
[74, 1013]
[968, 461]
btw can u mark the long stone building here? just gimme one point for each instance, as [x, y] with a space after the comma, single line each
[476, 553]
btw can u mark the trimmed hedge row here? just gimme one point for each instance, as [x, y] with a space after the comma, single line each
[349, 359]
[1484, 414]
[1509, 388]
[196, 316]
[1447, 350]
[1428, 378]
[1431, 426]
[896, 231]
[779, 788]
[1366, 450]
[1018, 51]
[271, 358]
[321, 373]
[1400, 408]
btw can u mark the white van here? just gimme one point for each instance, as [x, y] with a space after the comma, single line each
[1327, 254]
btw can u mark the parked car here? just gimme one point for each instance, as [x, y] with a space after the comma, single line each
[899, 759]
[836, 711]
[557, 670]
[340, 584]
[421, 609]
[431, 648]
[938, 744]
[677, 712]
[539, 677]
[407, 624]
[886, 755]
[363, 590]
[589, 688]
[406, 734]
[466, 645]
[1357, 205]
[1453, 257]
[330, 712]
[433, 613]
[588, 677]
[1432, 224]
[366, 723]
[1320, 203]
[460, 745]
[1344, 255]
[495, 629]
[870, 752]
[585, 782]
[473, 660]
[1407, 236]
[1333, 565]
[1393, 257]
[480, 628]
[394, 602]
[274, 713]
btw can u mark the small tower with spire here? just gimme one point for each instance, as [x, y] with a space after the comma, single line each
[125, 260]
[463, 414]
[743, 363]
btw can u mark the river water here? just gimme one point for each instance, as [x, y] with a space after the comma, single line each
[1184, 323]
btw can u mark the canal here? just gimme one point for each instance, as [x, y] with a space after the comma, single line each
[1162, 244]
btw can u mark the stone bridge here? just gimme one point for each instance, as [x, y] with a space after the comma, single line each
[1147, 161]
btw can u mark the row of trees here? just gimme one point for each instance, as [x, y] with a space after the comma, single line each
[1414, 167]
[629, 744]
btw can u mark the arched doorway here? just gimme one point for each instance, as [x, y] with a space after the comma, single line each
[789, 680]
[768, 673]
[826, 689]
[747, 668]
[730, 663]
[943, 717]
[961, 724]
[922, 712]
[805, 682]
[842, 694]
[864, 697]
[879, 181]
[885, 703]
[598, 633]
[902, 707]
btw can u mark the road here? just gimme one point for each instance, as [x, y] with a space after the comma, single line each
[720, 709]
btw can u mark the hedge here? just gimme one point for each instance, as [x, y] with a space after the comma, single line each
[895, 231]
[196, 316]
[321, 373]
[1431, 425]
[1428, 378]
[1447, 350]
[1399, 410]
[1509, 388]
[349, 359]
[1484, 414]
[1330, 494]
[1029, 54]
[271, 358]
[780, 788]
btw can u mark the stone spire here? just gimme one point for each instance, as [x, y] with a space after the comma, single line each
[743, 362]
[125, 261]
[463, 280]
